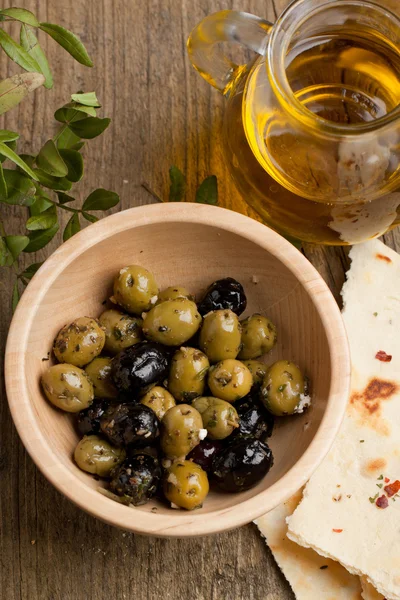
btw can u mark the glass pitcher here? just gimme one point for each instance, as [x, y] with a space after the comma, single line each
[311, 128]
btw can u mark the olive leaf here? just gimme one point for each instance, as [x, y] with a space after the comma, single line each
[207, 193]
[100, 199]
[40, 204]
[8, 136]
[15, 296]
[6, 259]
[16, 88]
[49, 160]
[3, 185]
[11, 155]
[13, 146]
[21, 189]
[67, 139]
[74, 162]
[30, 43]
[16, 244]
[178, 185]
[30, 271]
[64, 198]
[69, 41]
[70, 113]
[20, 14]
[87, 99]
[72, 227]
[53, 183]
[90, 128]
[43, 220]
[39, 239]
[17, 53]
[89, 217]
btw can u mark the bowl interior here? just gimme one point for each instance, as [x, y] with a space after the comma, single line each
[192, 255]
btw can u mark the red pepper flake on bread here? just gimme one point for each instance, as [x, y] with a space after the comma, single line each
[392, 488]
[382, 356]
[382, 502]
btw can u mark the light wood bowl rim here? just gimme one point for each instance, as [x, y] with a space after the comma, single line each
[178, 524]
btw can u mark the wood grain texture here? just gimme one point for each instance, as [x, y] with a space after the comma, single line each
[162, 113]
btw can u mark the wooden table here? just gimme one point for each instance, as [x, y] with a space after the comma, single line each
[162, 113]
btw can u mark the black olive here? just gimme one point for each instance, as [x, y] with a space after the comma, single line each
[204, 453]
[224, 294]
[136, 480]
[126, 424]
[255, 420]
[139, 366]
[242, 464]
[88, 421]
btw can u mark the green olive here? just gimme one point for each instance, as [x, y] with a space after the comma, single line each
[97, 456]
[135, 289]
[99, 372]
[220, 335]
[257, 370]
[174, 292]
[68, 387]
[230, 380]
[258, 336]
[172, 322]
[185, 484]
[79, 342]
[122, 331]
[219, 417]
[188, 374]
[283, 388]
[159, 400]
[181, 430]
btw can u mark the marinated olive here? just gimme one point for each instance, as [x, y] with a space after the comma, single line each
[283, 390]
[220, 335]
[254, 421]
[136, 480]
[230, 380]
[258, 336]
[205, 452]
[187, 374]
[172, 322]
[257, 370]
[125, 424]
[139, 366]
[135, 289]
[219, 417]
[172, 293]
[159, 400]
[88, 421]
[68, 387]
[99, 372]
[122, 331]
[242, 464]
[181, 430]
[224, 294]
[79, 342]
[95, 455]
[185, 484]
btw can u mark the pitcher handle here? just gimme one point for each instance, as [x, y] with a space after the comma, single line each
[204, 44]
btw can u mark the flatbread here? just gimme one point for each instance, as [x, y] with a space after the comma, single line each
[310, 576]
[369, 592]
[338, 516]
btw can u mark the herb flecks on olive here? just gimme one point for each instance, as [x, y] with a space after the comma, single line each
[99, 373]
[283, 391]
[187, 375]
[172, 322]
[88, 420]
[79, 342]
[136, 480]
[219, 417]
[139, 366]
[181, 430]
[121, 330]
[124, 424]
[258, 336]
[255, 420]
[173, 292]
[220, 335]
[135, 289]
[224, 294]
[159, 400]
[230, 380]
[97, 456]
[185, 484]
[68, 387]
[257, 370]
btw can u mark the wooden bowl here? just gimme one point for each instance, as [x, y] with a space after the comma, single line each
[191, 245]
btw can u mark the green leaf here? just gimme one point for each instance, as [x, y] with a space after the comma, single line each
[74, 162]
[21, 189]
[11, 155]
[89, 217]
[17, 53]
[16, 244]
[16, 88]
[44, 220]
[49, 160]
[30, 43]
[178, 185]
[20, 14]
[71, 113]
[87, 99]
[3, 186]
[39, 239]
[6, 259]
[100, 199]
[40, 205]
[54, 183]
[67, 139]
[15, 296]
[30, 271]
[13, 146]
[77, 146]
[72, 227]
[29, 159]
[64, 198]
[207, 192]
[8, 136]
[90, 128]
[69, 41]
